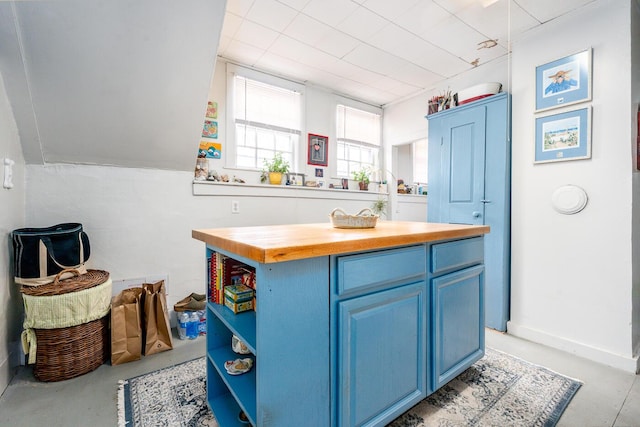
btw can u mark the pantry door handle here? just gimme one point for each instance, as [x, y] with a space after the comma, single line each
[476, 214]
[485, 201]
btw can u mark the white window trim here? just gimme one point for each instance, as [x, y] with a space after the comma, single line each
[230, 147]
[352, 103]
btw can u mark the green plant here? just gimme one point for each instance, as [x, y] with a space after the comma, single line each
[362, 175]
[276, 164]
[379, 206]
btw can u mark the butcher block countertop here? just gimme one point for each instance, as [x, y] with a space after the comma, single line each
[278, 243]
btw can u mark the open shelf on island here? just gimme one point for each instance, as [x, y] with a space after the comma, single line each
[241, 387]
[243, 325]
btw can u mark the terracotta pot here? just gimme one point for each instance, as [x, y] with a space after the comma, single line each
[275, 178]
[364, 186]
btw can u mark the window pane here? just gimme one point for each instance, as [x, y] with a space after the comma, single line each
[357, 131]
[268, 120]
[420, 150]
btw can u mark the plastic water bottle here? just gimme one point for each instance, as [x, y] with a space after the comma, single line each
[192, 325]
[183, 320]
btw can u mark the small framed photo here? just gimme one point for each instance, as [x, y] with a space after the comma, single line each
[319, 172]
[317, 151]
[295, 179]
[563, 136]
[564, 81]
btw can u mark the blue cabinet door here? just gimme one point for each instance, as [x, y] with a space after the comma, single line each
[458, 175]
[457, 323]
[382, 355]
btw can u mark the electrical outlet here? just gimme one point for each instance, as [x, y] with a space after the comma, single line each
[235, 207]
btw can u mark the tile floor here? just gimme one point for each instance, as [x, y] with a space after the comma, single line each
[608, 397]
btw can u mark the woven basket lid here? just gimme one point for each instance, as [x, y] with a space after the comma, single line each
[78, 282]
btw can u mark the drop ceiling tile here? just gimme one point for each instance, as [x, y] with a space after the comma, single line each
[282, 66]
[455, 6]
[331, 12]
[390, 37]
[465, 42]
[239, 7]
[545, 10]
[422, 16]
[256, 35]
[272, 14]
[414, 75]
[389, 9]
[521, 21]
[306, 30]
[354, 72]
[362, 24]
[315, 57]
[295, 4]
[243, 53]
[371, 58]
[223, 45]
[432, 58]
[287, 47]
[230, 24]
[337, 43]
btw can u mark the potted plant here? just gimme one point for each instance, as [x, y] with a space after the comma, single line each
[362, 176]
[275, 168]
[379, 207]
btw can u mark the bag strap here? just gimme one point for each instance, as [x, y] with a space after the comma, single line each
[46, 247]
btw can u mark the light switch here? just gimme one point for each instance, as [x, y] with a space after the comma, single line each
[8, 173]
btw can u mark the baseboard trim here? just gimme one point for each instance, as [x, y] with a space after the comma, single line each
[628, 364]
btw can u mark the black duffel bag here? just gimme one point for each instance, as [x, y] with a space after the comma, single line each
[41, 253]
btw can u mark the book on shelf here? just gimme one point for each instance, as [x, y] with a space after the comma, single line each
[226, 271]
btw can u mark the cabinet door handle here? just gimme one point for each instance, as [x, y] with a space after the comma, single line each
[485, 201]
[476, 214]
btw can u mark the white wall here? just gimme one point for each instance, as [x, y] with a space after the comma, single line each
[572, 275]
[12, 216]
[139, 221]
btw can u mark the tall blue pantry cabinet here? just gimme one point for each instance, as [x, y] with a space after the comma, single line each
[470, 183]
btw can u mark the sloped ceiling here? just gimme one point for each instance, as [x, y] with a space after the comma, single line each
[112, 82]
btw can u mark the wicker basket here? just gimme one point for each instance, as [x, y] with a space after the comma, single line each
[363, 219]
[65, 353]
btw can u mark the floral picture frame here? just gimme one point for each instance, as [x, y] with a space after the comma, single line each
[564, 82]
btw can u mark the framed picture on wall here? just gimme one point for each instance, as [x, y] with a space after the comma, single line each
[317, 151]
[563, 136]
[564, 81]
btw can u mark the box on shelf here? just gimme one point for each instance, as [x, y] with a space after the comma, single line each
[239, 306]
[238, 293]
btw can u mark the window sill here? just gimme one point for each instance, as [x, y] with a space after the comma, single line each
[213, 188]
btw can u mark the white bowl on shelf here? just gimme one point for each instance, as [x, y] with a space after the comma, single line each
[477, 92]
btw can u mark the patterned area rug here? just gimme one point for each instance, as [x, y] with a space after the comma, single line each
[498, 390]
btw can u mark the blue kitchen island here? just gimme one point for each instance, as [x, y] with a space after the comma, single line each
[352, 327]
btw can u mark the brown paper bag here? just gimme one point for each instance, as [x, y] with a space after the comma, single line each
[157, 331]
[126, 326]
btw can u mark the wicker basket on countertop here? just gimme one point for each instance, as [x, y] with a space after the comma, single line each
[363, 219]
[67, 352]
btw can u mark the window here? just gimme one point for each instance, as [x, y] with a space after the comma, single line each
[358, 140]
[420, 161]
[267, 120]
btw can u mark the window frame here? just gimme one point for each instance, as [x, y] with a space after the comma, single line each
[230, 159]
[347, 103]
